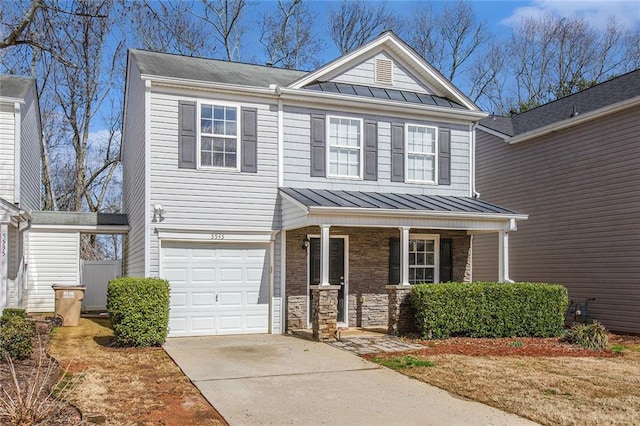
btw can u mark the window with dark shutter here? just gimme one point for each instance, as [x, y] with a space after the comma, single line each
[394, 261]
[444, 156]
[370, 150]
[249, 140]
[318, 146]
[397, 152]
[187, 142]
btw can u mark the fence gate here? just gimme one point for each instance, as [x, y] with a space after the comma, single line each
[96, 275]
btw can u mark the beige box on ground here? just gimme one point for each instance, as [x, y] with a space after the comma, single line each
[69, 304]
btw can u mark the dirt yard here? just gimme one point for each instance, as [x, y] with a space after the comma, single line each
[544, 380]
[128, 386]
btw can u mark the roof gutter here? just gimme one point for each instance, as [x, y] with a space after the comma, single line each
[184, 83]
[588, 116]
[358, 211]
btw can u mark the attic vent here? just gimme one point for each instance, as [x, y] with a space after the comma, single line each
[383, 71]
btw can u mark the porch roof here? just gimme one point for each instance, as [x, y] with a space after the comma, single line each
[303, 207]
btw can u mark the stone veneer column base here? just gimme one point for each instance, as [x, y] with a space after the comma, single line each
[401, 313]
[324, 312]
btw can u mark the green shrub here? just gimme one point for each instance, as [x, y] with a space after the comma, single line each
[8, 313]
[16, 337]
[489, 309]
[139, 310]
[590, 336]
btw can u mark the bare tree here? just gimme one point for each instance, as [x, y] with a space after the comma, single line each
[225, 18]
[355, 22]
[287, 36]
[168, 26]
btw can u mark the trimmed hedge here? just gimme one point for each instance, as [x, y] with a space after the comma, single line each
[8, 313]
[16, 337]
[489, 309]
[139, 310]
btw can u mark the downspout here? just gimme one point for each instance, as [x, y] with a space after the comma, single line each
[276, 91]
[474, 193]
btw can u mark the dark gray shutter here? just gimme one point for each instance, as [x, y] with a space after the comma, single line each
[444, 157]
[394, 261]
[370, 150]
[446, 260]
[397, 152]
[318, 146]
[249, 140]
[187, 143]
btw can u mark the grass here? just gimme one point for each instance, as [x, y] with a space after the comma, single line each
[550, 391]
[402, 362]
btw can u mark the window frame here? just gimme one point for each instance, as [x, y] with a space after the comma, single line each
[360, 147]
[436, 256]
[238, 138]
[407, 153]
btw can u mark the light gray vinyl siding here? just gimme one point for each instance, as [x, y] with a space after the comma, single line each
[133, 170]
[7, 151]
[297, 171]
[207, 199]
[581, 189]
[54, 258]
[277, 299]
[31, 154]
[364, 74]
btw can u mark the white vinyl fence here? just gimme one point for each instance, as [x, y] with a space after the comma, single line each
[96, 275]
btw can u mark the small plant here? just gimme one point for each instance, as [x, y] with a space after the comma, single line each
[402, 362]
[516, 344]
[617, 348]
[590, 336]
[16, 337]
[8, 313]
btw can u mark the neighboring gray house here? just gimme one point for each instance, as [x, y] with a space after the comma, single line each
[574, 166]
[20, 160]
[245, 185]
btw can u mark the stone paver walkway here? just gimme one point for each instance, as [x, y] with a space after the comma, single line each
[374, 344]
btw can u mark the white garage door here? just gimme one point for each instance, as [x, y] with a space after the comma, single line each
[217, 289]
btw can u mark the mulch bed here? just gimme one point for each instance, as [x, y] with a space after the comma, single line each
[65, 414]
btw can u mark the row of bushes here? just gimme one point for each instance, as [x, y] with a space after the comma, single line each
[16, 334]
[489, 309]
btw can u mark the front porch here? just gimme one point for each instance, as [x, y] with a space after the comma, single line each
[351, 257]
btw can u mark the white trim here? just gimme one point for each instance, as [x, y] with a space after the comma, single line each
[404, 255]
[436, 252]
[271, 285]
[186, 83]
[485, 129]
[280, 144]
[435, 154]
[360, 147]
[283, 281]
[349, 211]
[147, 178]
[199, 135]
[4, 264]
[581, 118]
[17, 156]
[214, 236]
[85, 229]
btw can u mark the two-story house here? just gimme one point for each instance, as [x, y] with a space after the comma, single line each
[573, 166]
[20, 169]
[246, 186]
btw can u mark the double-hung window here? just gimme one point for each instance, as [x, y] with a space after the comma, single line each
[218, 136]
[421, 153]
[423, 258]
[345, 147]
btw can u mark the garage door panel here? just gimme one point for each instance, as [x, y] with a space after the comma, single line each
[217, 289]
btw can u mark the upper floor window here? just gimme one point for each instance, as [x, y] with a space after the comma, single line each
[218, 136]
[345, 147]
[421, 153]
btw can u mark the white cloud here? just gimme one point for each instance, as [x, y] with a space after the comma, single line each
[597, 13]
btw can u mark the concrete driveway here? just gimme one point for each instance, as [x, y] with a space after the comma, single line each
[274, 379]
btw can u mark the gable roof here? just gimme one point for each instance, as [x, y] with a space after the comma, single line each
[211, 70]
[572, 108]
[390, 42]
[14, 86]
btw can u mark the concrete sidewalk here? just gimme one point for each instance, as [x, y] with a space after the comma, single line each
[277, 380]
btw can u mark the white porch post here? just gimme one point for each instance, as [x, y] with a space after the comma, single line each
[503, 256]
[4, 263]
[324, 254]
[404, 255]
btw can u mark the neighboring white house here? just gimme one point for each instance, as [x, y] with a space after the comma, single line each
[20, 168]
[244, 185]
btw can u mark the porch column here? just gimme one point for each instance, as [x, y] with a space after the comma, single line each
[324, 254]
[4, 263]
[404, 255]
[503, 256]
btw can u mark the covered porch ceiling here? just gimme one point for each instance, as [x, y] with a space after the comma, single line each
[305, 207]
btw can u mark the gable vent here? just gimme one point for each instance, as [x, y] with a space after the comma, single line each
[383, 71]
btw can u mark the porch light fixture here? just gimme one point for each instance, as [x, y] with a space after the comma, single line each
[157, 213]
[305, 243]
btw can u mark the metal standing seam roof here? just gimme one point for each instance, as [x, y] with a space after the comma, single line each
[393, 201]
[387, 94]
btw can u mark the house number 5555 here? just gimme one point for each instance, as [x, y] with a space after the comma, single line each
[217, 236]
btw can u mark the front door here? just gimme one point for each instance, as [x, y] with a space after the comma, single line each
[336, 271]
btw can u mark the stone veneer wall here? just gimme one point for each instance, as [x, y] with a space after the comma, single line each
[368, 271]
